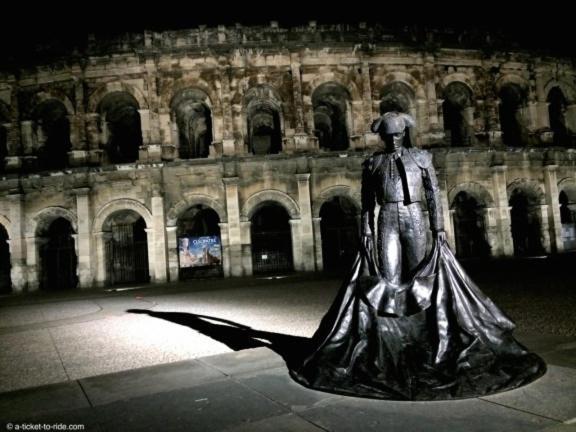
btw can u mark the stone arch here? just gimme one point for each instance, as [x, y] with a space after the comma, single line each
[255, 201]
[397, 95]
[5, 222]
[530, 187]
[568, 183]
[194, 199]
[479, 192]
[415, 85]
[510, 78]
[44, 96]
[182, 84]
[339, 78]
[118, 205]
[568, 89]
[333, 115]
[41, 221]
[116, 86]
[332, 192]
[458, 77]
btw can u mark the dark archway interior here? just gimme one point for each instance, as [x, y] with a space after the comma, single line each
[556, 109]
[51, 117]
[200, 221]
[457, 97]
[339, 228]
[58, 257]
[194, 121]
[5, 266]
[512, 98]
[126, 248]
[329, 102]
[264, 129]
[469, 228]
[526, 228]
[271, 240]
[120, 110]
[568, 218]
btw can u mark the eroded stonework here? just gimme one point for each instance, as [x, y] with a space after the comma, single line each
[256, 136]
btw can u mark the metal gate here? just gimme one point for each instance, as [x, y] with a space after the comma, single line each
[271, 252]
[127, 258]
[59, 263]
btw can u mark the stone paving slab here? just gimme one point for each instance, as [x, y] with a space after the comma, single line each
[108, 388]
[283, 423]
[552, 396]
[245, 361]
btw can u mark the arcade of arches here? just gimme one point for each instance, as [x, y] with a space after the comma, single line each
[154, 159]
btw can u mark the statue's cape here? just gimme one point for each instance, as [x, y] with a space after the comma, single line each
[436, 337]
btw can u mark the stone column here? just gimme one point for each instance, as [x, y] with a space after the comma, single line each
[225, 248]
[151, 254]
[234, 232]
[545, 228]
[306, 229]
[297, 92]
[431, 96]
[32, 267]
[552, 200]
[318, 243]
[159, 239]
[173, 262]
[502, 209]
[145, 125]
[228, 145]
[245, 251]
[100, 240]
[296, 244]
[490, 215]
[17, 243]
[84, 239]
[542, 115]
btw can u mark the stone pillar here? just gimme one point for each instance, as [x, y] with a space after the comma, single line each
[100, 240]
[306, 229]
[159, 239]
[17, 243]
[297, 92]
[542, 115]
[234, 232]
[151, 254]
[84, 239]
[228, 145]
[430, 87]
[173, 262]
[570, 117]
[295, 226]
[448, 216]
[490, 216]
[318, 243]
[32, 267]
[27, 137]
[245, 251]
[367, 97]
[225, 248]
[552, 200]
[545, 228]
[145, 125]
[502, 209]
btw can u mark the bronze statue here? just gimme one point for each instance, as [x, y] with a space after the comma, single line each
[396, 179]
[406, 325]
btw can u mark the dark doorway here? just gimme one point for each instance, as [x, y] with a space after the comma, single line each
[264, 130]
[127, 249]
[5, 266]
[58, 257]
[457, 97]
[199, 243]
[568, 219]
[512, 98]
[556, 109]
[469, 228]
[51, 121]
[526, 228]
[339, 228]
[330, 102]
[271, 240]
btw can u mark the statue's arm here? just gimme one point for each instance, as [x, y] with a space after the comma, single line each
[368, 199]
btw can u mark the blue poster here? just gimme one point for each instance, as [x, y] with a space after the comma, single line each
[199, 251]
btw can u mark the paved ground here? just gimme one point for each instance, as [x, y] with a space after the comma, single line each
[81, 358]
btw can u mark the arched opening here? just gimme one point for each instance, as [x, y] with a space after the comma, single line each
[123, 126]
[457, 97]
[5, 266]
[469, 229]
[556, 109]
[58, 259]
[53, 134]
[339, 230]
[126, 244]
[263, 109]
[512, 99]
[271, 240]
[330, 102]
[193, 118]
[199, 243]
[526, 225]
[567, 200]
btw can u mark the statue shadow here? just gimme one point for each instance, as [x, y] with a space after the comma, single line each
[237, 336]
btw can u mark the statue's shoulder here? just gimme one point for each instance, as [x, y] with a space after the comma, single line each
[371, 163]
[423, 158]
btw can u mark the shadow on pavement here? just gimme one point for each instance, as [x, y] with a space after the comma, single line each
[237, 336]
